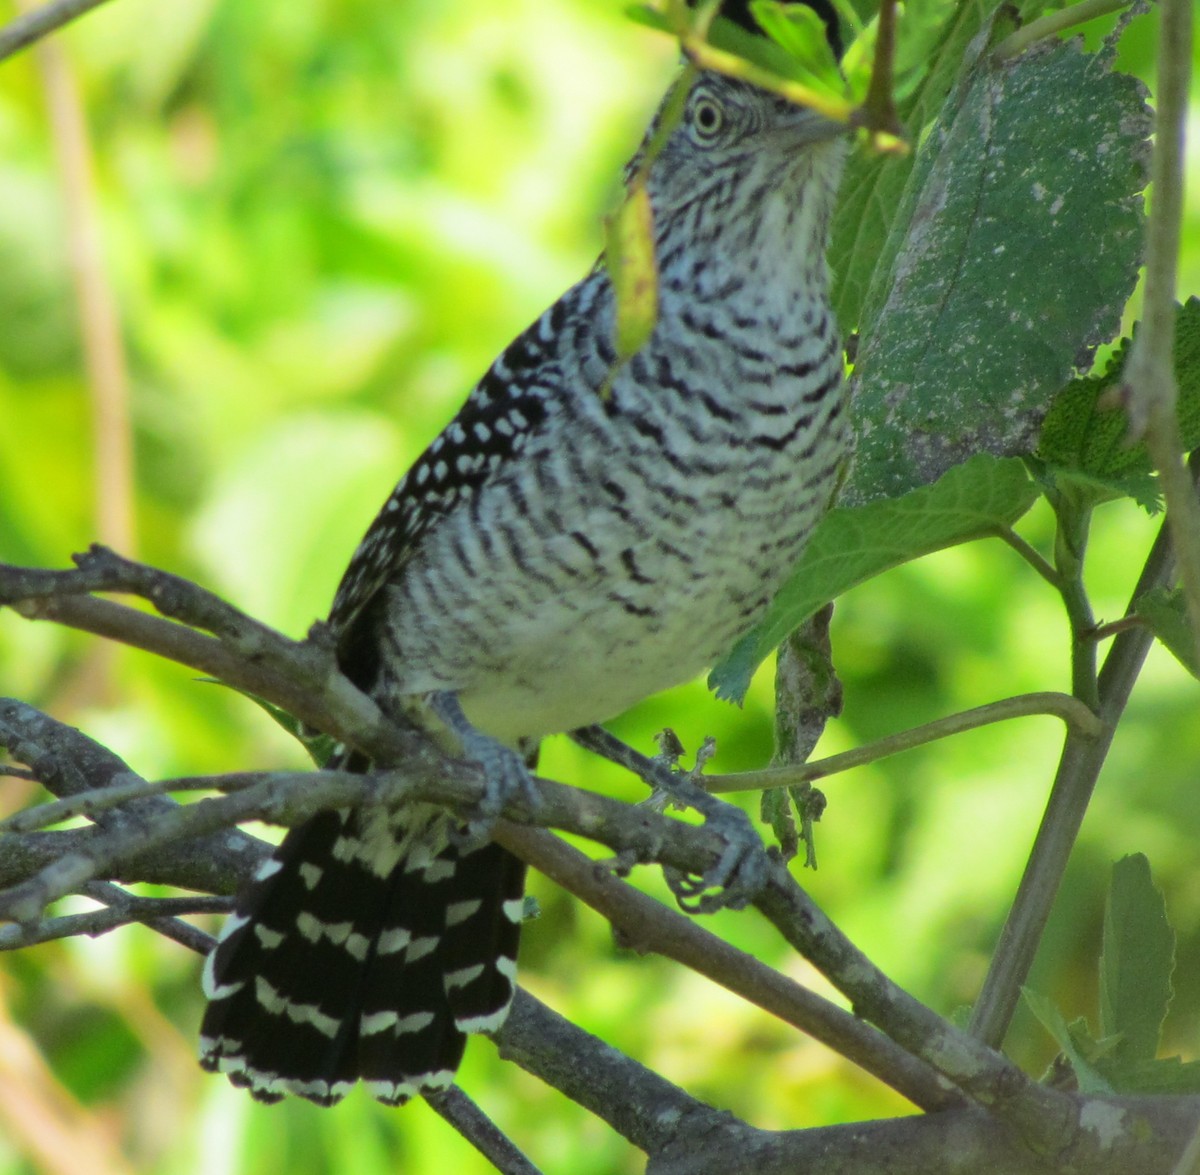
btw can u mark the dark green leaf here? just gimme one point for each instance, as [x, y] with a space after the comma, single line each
[933, 38]
[1085, 430]
[852, 544]
[1165, 1075]
[1136, 963]
[993, 294]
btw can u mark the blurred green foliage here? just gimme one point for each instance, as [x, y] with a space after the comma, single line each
[321, 221]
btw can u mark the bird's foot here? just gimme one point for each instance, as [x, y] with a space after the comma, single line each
[740, 872]
[504, 771]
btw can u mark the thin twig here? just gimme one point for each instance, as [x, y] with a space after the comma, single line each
[879, 106]
[286, 798]
[647, 925]
[102, 799]
[454, 1107]
[1072, 711]
[99, 569]
[640, 1105]
[159, 913]
[67, 762]
[1031, 555]
[301, 677]
[1052, 24]
[1150, 391]
[1044, 1117]
[1074, 782]
[33, 26]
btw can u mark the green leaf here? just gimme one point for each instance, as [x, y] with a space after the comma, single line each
[852, 544]
[804, 65]
[1085, 430]
[1187, 370]
[651, 17]
[795, 48]
[1165, 1075]
[933, 38]
[1074, 1040]
[800, 32]
[1136, 962]
[1166, 613]
[988, 292]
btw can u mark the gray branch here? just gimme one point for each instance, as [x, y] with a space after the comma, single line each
[1008, 1122]
[32, 26]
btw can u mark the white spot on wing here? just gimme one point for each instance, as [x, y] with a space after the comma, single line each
[267, 869]
[458, 912]
[489, 1023]
[269, 938]
[420, 947]
[391, 941]
[233, 924]
[391, 1091]
[463, 976]
[280, 1005]
[208, 981]
[439, 870]
[314, 929]
[381, 1021]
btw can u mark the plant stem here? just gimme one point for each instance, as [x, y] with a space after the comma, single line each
[1073, 712]
[1070, 544]
[1052, 24]
[1151, 393]
[33, 26]
[880, 103]
[1082, 758]
[1031, 555]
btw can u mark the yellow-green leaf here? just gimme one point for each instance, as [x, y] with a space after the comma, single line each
[633, 269]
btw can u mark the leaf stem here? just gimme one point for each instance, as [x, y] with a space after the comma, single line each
[1078, 718]
[1031, 555]
[1052, 24]
[879, 107]
[1070, 545]
[1082, 759]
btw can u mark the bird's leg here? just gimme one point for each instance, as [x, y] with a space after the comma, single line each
[504, 770]
[741, 870]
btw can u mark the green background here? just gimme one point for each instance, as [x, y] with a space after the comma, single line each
[320, 221]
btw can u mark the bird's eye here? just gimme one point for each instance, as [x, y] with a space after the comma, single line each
[708, 117]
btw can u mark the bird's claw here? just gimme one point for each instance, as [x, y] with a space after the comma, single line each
[739, 873]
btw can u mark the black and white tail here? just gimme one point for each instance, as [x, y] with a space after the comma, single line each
[364, 950]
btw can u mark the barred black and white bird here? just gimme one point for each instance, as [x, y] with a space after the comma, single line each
[581, 535]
